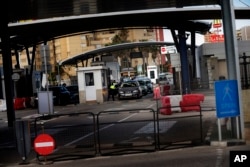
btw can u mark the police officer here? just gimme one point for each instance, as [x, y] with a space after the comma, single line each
[112, 91]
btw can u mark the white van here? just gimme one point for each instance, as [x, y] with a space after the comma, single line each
[166, 78]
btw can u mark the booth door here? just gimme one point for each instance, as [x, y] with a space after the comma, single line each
[90, 86]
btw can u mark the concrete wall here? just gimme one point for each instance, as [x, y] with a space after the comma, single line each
[211, 69]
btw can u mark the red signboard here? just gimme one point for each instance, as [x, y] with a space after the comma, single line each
[216, 38]
[44, 144]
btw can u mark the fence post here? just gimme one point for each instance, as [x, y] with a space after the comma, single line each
[22, 129]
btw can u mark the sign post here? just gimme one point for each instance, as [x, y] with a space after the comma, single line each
[15, 77]
[227, 100]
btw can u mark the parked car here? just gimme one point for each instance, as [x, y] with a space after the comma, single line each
[149, 85]
[143, 86]
[166, 78]
[74, 93]
[130, 89]
[61, 95]
[148, 82]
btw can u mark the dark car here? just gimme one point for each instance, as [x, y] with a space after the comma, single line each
[74, 93]
[143, 86]
[149, 85]
[129, 89]
[61, 95]
[147, 81]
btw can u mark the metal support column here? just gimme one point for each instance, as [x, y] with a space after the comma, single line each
[7, 69]
[193, 39]
[232, 57]
[184, 62]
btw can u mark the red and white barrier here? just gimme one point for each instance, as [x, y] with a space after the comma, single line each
[166, 106]
[175, 102]
[19, 103]
[180, 103]
[191, 102]
[157, 93]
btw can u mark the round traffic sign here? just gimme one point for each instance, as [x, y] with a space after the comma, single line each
[164, 50]
[15, 76]
[44, 144]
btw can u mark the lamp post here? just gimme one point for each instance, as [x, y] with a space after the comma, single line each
[58, 72]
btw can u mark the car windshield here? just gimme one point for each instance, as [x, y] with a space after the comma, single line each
[142, 83]
[128, 84]
[162, 78]
[72, 88]
[63, 88]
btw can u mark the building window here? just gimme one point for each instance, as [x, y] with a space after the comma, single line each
[104, 78]
[152, 74]
[89, 79]
[125, 63]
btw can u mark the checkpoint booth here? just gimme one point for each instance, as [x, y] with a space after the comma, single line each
[93, 84]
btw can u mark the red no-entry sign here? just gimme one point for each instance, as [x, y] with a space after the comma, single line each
[44, 144]
[164, 50]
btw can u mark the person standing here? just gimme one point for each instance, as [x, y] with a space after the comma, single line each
[112, 91]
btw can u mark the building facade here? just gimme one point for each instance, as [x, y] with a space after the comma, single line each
[212, 58]
[63, 48]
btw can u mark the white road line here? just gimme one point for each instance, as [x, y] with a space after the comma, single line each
[150, 106]
[108, 126]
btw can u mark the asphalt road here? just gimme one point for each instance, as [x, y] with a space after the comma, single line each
[204, 155]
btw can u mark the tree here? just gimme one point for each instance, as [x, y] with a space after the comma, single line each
[120, 37]
[154, 49]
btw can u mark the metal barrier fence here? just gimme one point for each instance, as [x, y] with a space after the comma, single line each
[74, 134]
[83, 135]
[245, 71]
[188, 124]
[131, 131]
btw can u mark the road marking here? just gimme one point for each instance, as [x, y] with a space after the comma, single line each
[115, 109]
[150, 106]
[108, 126]
[149, 128]
[219, 158]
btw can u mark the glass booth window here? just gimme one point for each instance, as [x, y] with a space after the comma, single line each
[89, 79]
[152, 74]
[104, 80]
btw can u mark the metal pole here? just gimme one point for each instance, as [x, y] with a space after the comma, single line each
[58, 73]
[184, 62]
[232, 57]
[7, 67]
[47, 85]
[45, 66]
[219, 129]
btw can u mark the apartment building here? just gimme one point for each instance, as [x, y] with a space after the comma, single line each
[70, 46]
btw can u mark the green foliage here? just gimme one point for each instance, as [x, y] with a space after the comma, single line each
[120, 37]
[154, 49]
[52, 76]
